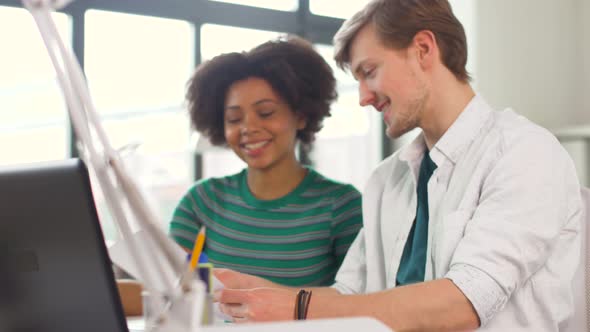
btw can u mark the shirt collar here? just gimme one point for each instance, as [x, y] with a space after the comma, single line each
[451, 145]
[412, 154]
[462, 132]
[414, 150]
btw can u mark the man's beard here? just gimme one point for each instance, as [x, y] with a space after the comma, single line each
[402, 123]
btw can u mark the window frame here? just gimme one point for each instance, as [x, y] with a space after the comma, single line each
[317, 29]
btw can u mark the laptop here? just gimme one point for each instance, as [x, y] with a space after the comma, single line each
[55, 272]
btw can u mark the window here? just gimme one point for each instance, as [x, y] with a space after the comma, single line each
[137, 68]
[349, 146]
[215, 38]
[284, 5]
[221, 161]
[339, 9]
[33, 119]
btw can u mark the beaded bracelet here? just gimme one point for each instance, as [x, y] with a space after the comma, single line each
[302, 304]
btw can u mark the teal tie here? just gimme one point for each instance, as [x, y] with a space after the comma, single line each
[413, 262]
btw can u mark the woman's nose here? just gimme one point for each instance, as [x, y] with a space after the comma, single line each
[250, 124]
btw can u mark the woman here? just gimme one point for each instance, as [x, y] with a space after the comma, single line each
[277, 218]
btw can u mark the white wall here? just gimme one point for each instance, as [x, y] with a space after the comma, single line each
[529, 57]
[466, 13]
[534, 56]
[584, 26]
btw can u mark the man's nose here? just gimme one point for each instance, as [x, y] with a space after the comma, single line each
[366, 96]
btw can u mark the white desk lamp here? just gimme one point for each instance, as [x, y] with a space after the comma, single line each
[176, 304]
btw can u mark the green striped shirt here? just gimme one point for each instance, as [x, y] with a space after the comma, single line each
[299, 239]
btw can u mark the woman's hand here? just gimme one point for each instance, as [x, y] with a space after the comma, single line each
[130, 294]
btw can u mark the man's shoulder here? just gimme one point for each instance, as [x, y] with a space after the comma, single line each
[510, 141]
[509, 121]
[389, 163]
[388, 167]
[515, 130]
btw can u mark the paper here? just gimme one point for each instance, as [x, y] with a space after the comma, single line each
[121, 257]
[220, 317]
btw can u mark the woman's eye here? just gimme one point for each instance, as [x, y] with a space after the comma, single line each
[266, 114]
[232, 120]
[369, 72]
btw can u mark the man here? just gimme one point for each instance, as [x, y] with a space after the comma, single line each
[473, 225]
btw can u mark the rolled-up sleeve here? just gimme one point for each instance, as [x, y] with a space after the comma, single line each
[484, 293]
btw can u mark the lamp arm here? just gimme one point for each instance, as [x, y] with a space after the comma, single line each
[119, 188]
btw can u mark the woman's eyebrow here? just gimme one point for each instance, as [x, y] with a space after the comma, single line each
[232, 107]
[265, 100]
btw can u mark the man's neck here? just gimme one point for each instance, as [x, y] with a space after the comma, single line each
[445, 106]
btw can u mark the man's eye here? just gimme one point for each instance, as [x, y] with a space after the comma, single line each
[369, 72]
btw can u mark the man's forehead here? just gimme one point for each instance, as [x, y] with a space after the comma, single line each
[361, 47]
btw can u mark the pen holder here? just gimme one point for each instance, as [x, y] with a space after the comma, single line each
[204, 272]
[182, 313]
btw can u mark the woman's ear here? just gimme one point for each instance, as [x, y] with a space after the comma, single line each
[301, 121]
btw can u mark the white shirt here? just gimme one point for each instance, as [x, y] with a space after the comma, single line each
[505, 208]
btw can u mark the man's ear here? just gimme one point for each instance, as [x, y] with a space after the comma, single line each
[426, 48]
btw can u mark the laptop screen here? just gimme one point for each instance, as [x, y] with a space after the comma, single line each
[56, 274]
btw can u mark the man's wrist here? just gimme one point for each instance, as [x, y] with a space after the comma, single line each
[302, 301]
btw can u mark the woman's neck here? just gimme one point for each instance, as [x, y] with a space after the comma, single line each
[277, 181]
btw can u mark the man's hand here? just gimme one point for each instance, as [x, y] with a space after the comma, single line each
[258, 304]
[248, 298]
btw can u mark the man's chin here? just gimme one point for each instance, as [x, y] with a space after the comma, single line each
[395, 133]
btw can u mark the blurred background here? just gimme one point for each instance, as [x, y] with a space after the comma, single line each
[530, 55]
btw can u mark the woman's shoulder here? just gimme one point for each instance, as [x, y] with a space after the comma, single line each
[332, 186]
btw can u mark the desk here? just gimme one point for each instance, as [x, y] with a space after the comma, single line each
[356, 324]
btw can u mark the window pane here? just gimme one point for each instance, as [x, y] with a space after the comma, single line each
[284, 5]
[347, 118]
[33, 120]
[349, 146]
[137, 68]
[134, 63]
[36, 143]
[159, 162]
[214, 39]
[219, 161]
[344, 9]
